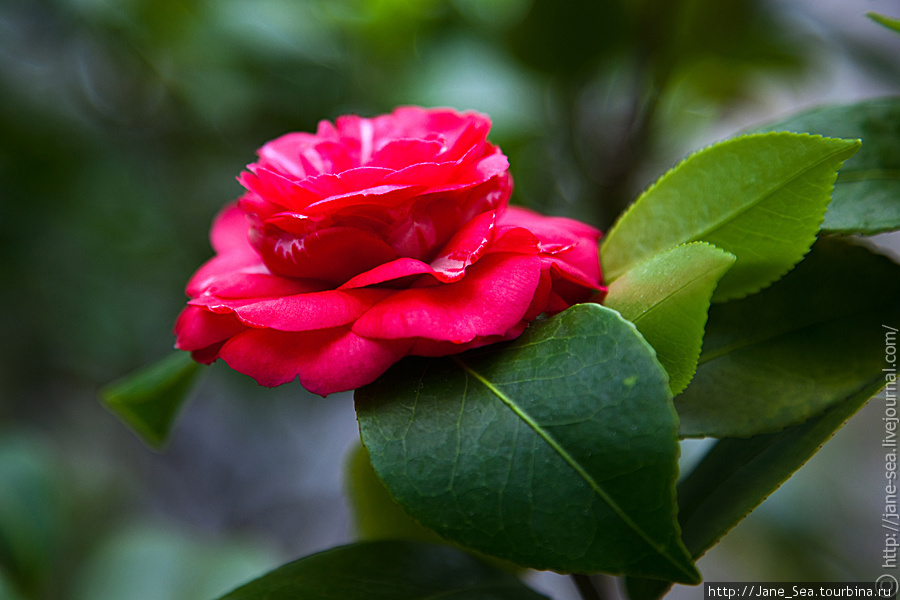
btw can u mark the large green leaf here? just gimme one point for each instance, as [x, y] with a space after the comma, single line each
[556, 451]
[375, 514]
[378, 517]
[866, 195]
[386, 571]
[738, 474]
[761, 197]
[667, 298]
[149, 400]
[781, 356]
[888, 22]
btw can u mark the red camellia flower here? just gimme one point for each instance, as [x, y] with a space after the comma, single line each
[375, 239]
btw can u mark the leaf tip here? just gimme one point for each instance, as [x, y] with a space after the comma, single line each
[888, 22]
[148, 400]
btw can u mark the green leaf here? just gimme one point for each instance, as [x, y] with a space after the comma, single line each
[866, 197]
[556, 451]
[667, 298]
[386, 571]
[779, 357]
[149, 399]
[888, 22]
[376, 515]
[737, 475]
[760, 197]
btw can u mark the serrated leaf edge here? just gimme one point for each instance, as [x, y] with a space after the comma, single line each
[689, 282]
[611, 234]
[695, 351]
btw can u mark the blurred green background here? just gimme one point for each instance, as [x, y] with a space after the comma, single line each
[123, 124]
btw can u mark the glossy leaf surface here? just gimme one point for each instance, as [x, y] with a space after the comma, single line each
[386, 571]
[788, 353]
[375, 514]
[760, 197]
[555, 451]
[866, 195]
[667, 298]
[149, 400]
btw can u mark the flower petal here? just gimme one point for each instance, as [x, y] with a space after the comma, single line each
[300, 312]
[197, 328]
[429, 174]
[379, 195]
[353, 180]
[465, 247]
[335, 254]
[425, 347]
[235, 260]
[571, 246]
[216, 280]
[325, 360]
[229, 232]
[550, 230]
[400, 153]
[275, 189]
[282, 153]
[491, 299]
[396, 269]
[568, 289]
[541, 300]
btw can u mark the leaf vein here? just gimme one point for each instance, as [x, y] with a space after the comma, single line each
[767, 194]
[570, 460]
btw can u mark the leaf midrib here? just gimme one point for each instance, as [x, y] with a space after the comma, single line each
[517, 410]
[672, 295]
[767, 194]
[731, 216]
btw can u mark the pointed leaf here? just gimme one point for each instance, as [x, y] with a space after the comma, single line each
[888, 22]
[556, 451]
[760, 197]
[386, 571]
[667, 298]
[149, 399]
[779, 357]
[866, 197]
[737, 475]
